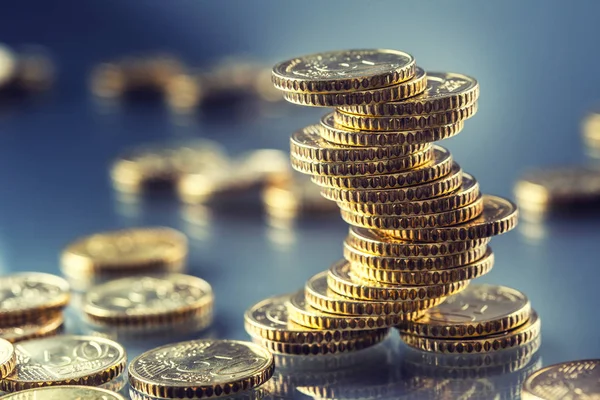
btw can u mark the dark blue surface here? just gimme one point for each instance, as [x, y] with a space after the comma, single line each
[535, 62]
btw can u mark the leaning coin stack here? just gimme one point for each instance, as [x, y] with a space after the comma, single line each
[419, 225]
[31, 305]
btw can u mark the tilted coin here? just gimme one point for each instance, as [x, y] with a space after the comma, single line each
[301, 313]
[438, 167]
[499, 216]
[403, 123]
[428, 190]
[380, 243]
[478, 310]
[41, 327]
[64, 393]
[335, 133]
[445, 91]
[307, 144]
[428, 277]
[437, 262]
[444, 218]
[522, 335]
[269, 320]
[124, 251]
[27, 295]
[65, 360]
[400, 91]
[201, 368]
[341, 279]
[569, 380]
[318, 296]
[7, 358]
[344, 71]
[466, 194]
[383, 166]
[149, 300]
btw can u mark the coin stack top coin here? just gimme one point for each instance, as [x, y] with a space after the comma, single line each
[420, 226]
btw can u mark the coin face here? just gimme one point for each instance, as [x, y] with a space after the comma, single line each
[138, 298]
[137, 249]
[569, 380]
[64, 360]
[28, 292]
[442, 84]
[205, 367]
[65, 393]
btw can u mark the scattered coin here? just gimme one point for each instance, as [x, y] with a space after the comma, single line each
[569, 380]
[64, 393]
[8, 65]
[43, 326]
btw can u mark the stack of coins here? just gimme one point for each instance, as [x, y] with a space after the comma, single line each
[419, 225]
[31, 305]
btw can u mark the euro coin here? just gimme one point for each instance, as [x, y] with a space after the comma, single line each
[64, 393]
[569, 380]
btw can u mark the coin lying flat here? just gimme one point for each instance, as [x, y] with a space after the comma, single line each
[268, 320]
[65, 360]
[201, 368]
[126, 251]
[7, 358]
[341, 279]
[344, 71]
[65, 393]
[524, 334]
[569, 380]
[41, 327]
[27, 295]
[499, 216]
[445, 91]
[478, 310]
[318, 296]
[149, 300]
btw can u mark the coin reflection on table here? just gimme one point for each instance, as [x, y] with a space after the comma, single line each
[65, 393]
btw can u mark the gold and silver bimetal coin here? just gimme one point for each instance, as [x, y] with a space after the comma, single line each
[26, 296]
[64, 393]
[149, 300]
[571, 380]
[65, 360]
[201, 369]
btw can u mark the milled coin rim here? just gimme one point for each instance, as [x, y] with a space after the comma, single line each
[7, 365]
[41, 328]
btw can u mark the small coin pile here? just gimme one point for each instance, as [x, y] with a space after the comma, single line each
[569, 380]
[31, 305]
[419, 226]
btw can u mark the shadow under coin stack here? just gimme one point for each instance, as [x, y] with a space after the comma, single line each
[419, 225]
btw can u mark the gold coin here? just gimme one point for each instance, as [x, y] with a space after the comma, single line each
[384, 166]
[344, 71]
[424, 191]
[201, 368]
[428, 277]
[64, 393]
[254, 394]
[319, 296]
[437, 262]
[403, 123]
[43, 326]
[400, 91]
[440, 166]
[65, 360]
[520, 336]
[307, 144]
[268, 320]
[126, 251]
[301, 313]
[7, 358]
[344, 346]
[149, 300]
[8, 65]
[445, 218]
[380, 243]
[445, 91]
[26, 296]
[591, 130]
[335, 133]
[465, 195]
[478, 310]
[341, 279]
[569, 380]
[499, 216]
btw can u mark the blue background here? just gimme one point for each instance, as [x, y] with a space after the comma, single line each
[536, 62]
